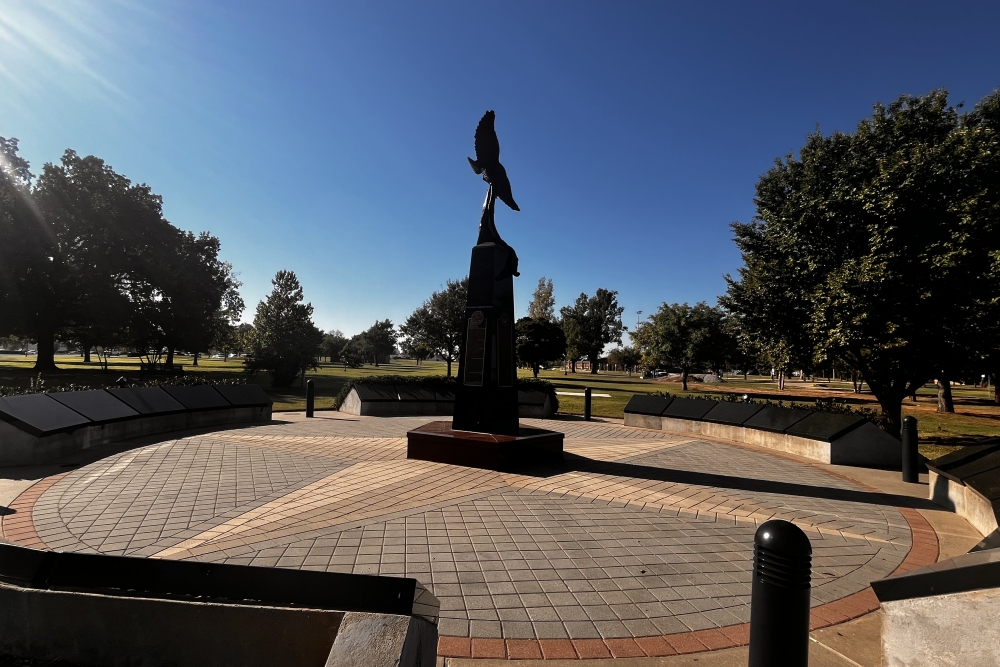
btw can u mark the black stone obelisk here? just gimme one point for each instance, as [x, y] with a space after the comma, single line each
[486, 400]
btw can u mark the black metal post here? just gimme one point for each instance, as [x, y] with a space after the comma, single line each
[586, 403]
[911, 458]
[779, 596]
[310, 398]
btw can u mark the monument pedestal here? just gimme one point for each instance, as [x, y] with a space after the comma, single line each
[439, 442]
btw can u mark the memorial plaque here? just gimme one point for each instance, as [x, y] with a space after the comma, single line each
[97, 405]
[244, 395]
[530, 397]
[39, 414]
[964, 456]
[688, 408]
[475, 350]
[415, 394]
[445, 394]
[986, 484]
[776, 419]
[643, 404]
[827, 426]
[197, 397]
[986, 460]
[733, 414]
[505, 351]
[147, 400]
[376, 391]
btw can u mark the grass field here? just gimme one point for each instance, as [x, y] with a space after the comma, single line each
[976, 417]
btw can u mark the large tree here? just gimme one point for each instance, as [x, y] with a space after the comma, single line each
[879, 249]
[539, 341]
[596, 321]
[543, 303]
[380, 340]
[439, 322]
[285, 341]
[688, 338]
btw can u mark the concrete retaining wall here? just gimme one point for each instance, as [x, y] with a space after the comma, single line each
[964, 501]
[866, 445]
[35, 441]
[960, 629]
[106, 630]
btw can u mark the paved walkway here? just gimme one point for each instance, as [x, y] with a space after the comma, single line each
[638, 544]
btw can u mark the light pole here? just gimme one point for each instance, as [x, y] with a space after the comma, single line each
[637, 314]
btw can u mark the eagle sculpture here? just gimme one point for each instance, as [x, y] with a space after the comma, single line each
[487, 160]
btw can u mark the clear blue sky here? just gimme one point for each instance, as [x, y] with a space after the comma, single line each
[330, 138]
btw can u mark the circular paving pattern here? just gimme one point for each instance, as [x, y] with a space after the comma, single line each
[639, 543]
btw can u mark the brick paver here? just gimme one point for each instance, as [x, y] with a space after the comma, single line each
[638, 544]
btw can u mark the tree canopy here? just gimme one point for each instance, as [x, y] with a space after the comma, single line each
[88, 257]
[591, 323]
[879, 249]
[688, 338]
[543, 303]
[439, 322]
[539, 341]
[285, 340]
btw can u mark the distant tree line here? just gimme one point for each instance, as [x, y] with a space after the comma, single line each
[87, 257]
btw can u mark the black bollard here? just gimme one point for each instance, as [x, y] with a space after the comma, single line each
[779, 596]
[586, 403]
[310, 398]
[911, 458]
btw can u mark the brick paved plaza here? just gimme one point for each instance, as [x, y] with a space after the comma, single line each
[639, 543]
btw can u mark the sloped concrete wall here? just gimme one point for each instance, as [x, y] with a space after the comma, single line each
[960, 629]
[965, 502]
[866, 445]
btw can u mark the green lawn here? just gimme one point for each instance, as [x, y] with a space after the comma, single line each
[976, 416]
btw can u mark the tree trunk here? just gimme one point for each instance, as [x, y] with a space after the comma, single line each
[169, 363]
[534, 369]
[572, 366]
[194, 362]
[944, 400]
[892, 409]
[46, 359]
[448, 361]
[684, 379]
[86, 353]
[781, 380]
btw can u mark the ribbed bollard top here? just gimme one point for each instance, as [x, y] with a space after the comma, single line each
[782, 554]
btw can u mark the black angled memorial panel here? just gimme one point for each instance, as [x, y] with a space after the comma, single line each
[244, 395]
[644, 404]
[415, 394]
[97, 405]
[826, 426]
[147, 400]
[773, 418]
[688, 408]
[376, 392]
[197, 397]
[39, 414]
[734, 414]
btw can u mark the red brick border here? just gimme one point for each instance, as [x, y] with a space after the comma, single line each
[18, 527]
